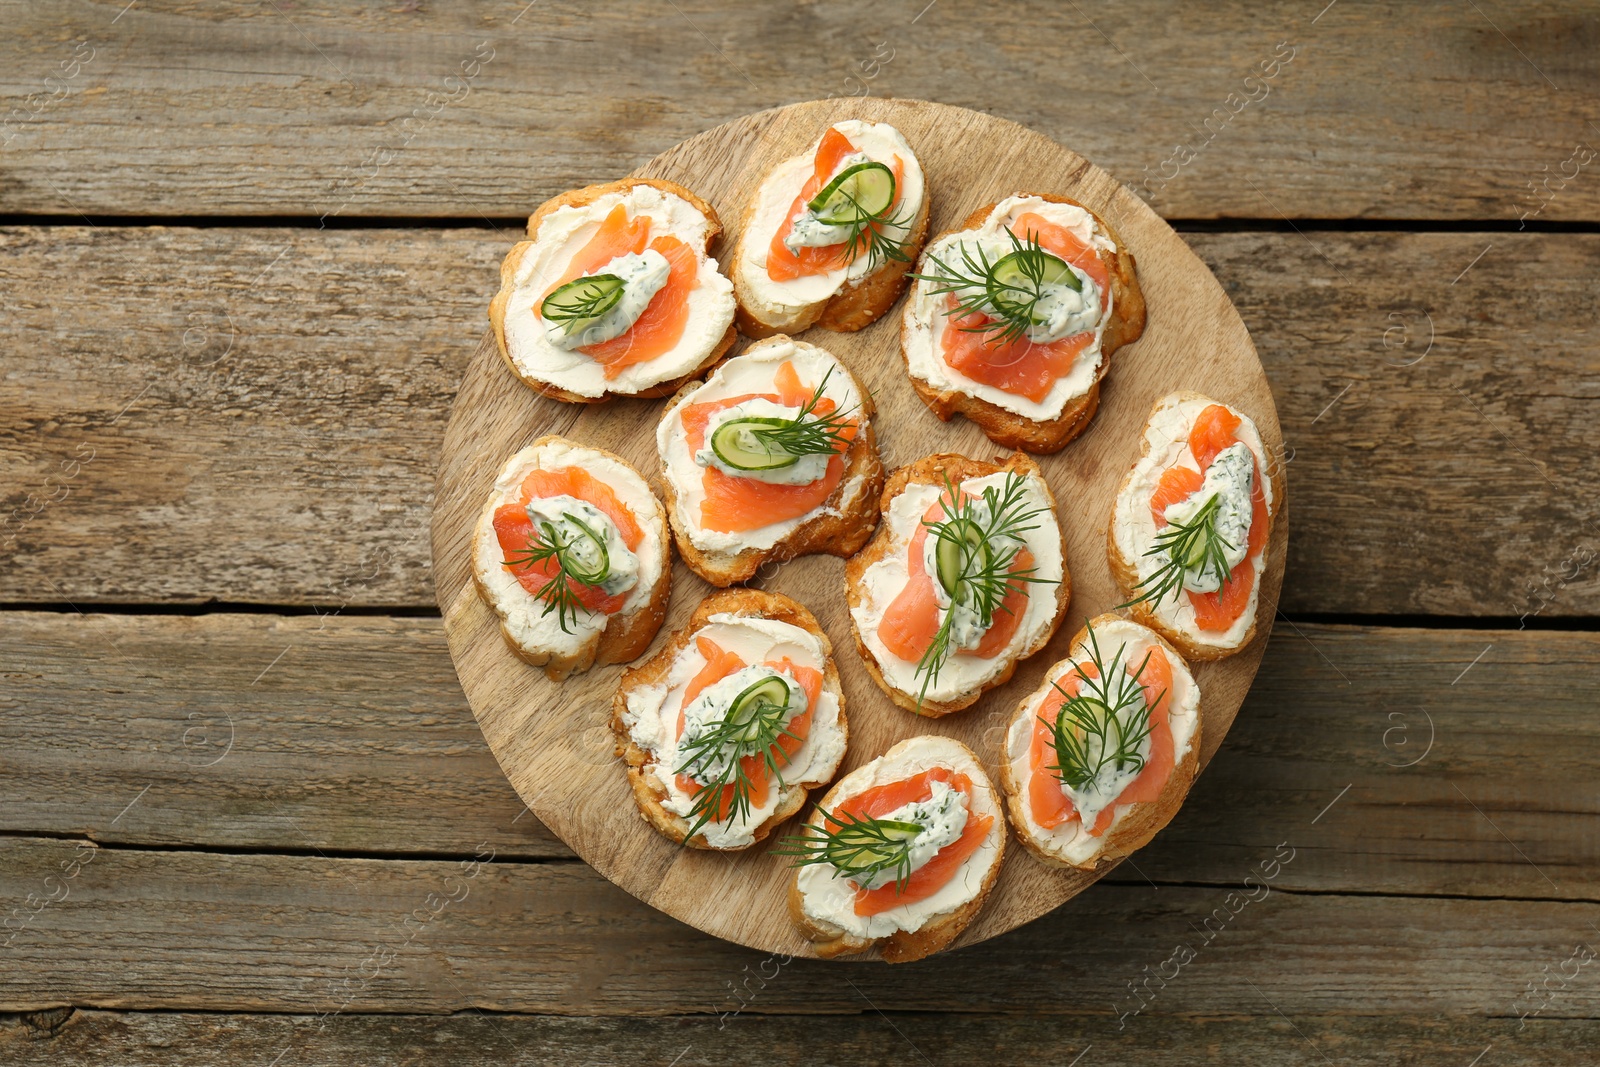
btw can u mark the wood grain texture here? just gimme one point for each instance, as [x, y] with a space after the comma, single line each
[133, 1039]
[296, 466]
[358, 739]
[1396, 111]
[529, 721]
[306, 935]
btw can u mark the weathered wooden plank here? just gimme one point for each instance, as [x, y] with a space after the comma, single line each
[263, 425]
[189, 930]
[489, 108]
[351, 734]
[158, 1039]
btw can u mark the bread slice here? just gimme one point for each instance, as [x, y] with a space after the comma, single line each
[512, 265]
[940, 928]
[857, 302]
[650, 792]
[1134, 826]
[532, 635]
[1008, 428]
[888, 543]
[1196, 645]
[839, 526]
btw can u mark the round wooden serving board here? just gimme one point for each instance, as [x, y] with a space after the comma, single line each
[552, 739]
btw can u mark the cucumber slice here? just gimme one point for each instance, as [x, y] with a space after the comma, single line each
[584, 555]
[869, 846]
[1016, 270]
[756, 703]
[961, 541]
[746, 444]
[860, 192]
[579, 303]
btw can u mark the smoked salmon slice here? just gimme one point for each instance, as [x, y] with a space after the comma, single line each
[737, 505]
[1214, 430]
[660, 326]
[720, 663]
[911, 621]
[1048, 803]
[785, 265]
[1020, 366]
[515, 531]
[928, 879]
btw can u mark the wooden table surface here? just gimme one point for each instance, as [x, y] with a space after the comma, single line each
[246, 816]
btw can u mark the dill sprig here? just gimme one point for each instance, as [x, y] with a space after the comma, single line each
[1010, 305]
[806, 433]
[751, 728]
[1103, 724]
[549, 543]
[855, 846]
[1196, 544]
[987, 541]
[865, 234]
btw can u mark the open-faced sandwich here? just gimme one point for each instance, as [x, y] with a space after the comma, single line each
[614, 293]
[1099, 757]
[1189, 531]
[571, 553]
[901, 853]
[966, 576]
[830, 233]
[771, 457]
[727, 727]
[1014, 317]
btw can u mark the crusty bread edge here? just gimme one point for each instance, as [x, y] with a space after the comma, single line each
[829, 941]
[932, 470]
[648, 792]
[1145, 819]
[1126, 572]
[1007, 428]
[857, 304]
[624, 637]
[513, 261]
[840, 534]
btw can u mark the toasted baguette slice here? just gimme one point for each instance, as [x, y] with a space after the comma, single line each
[557, 231]
[821, 900]
[1012, 420]
[1131, 531]
[877, 574]
[1111, 640]
[589, 637]
[647, 707]
[849, 297]
[838, 525]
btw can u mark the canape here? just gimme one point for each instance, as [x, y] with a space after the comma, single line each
[1190, 529]
[727, 728]
[831, 232]
[614, 293]
[1013, 319]
[966, 576]
[771, 457]
[571, 552]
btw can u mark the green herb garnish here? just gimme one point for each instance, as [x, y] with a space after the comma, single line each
[856, 847]
[1104, 724]
[580, 555]
[975, 550]
[1005, 292]
[754, 723]
[761, 443]
[1195, 544]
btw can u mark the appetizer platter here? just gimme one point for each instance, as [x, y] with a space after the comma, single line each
[895, 489]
